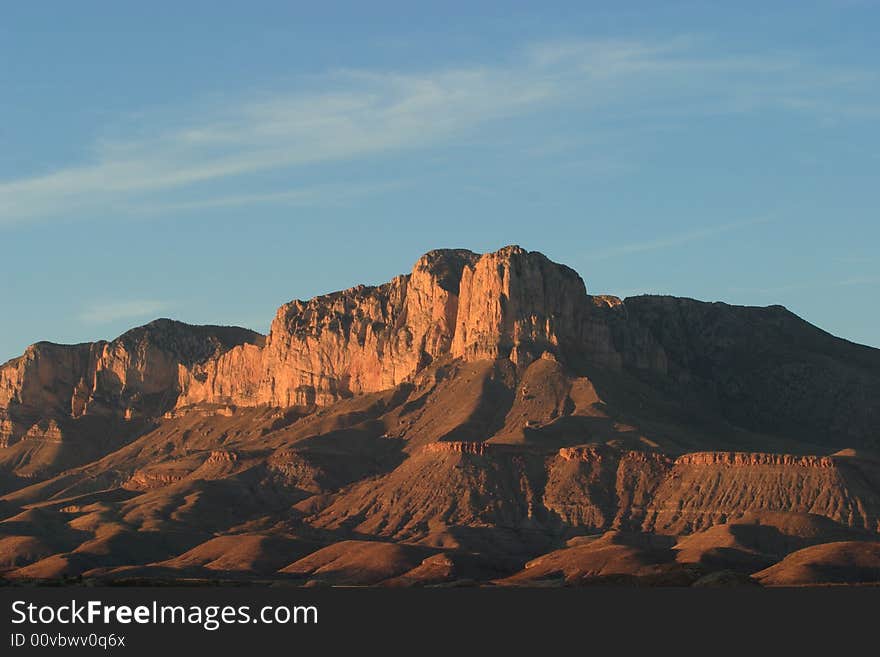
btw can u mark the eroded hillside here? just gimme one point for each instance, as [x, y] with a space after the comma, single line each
[452, 425]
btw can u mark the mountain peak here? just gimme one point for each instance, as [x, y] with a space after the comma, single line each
[480, 403]
[509, 304]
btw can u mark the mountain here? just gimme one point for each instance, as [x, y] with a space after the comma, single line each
[480, 419]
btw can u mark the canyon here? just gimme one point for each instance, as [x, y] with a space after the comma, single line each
[481, 420]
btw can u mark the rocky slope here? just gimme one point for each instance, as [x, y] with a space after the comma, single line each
[134, 375]
[452, 424]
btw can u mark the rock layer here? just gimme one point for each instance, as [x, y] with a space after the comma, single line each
[135, 375]
[511, 304]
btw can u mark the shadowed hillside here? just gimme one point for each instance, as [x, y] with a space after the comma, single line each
[482, 419]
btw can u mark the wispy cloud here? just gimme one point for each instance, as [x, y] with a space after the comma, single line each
[107, 312]
[323, 195]
[358, 114]
[679, 239]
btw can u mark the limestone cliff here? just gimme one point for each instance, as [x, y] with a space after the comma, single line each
[511, 304]
[479, 406]
[760, 368]
[132, 376]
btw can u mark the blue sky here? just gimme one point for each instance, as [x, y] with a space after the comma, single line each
[212, 161]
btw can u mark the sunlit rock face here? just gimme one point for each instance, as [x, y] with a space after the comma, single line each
[133, 376]
[763, 368]
[479, 407]
[511, 304]
[518, 304]
[358, 340]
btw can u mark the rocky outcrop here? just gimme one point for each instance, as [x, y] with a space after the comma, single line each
[222, 456]
[459, 447]
[44, 381]
[7, 430]
[751, 459]
[511, 304]
[705, 489]
[516, 305]
[135, 375]
[147, 479]
[359, 340]
[45, 431]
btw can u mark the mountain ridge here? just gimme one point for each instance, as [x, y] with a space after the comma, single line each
[483, 405]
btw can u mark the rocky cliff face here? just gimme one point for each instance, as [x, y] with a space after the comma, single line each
[359, 340]
[511, 304]
[761, 368]
[132, 376]
[478, 405]
[516, 305]
[705, 489]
